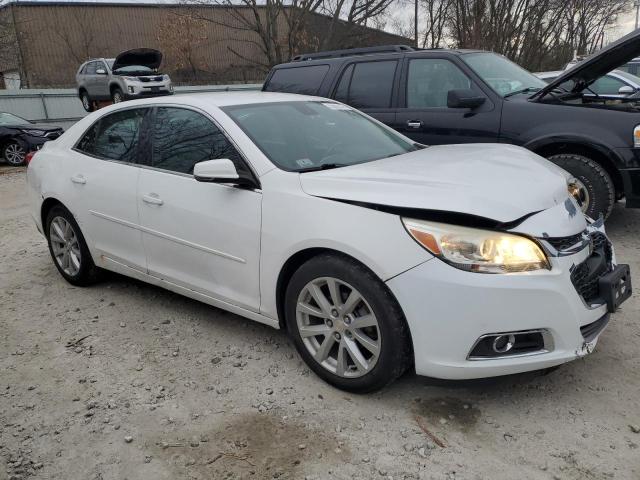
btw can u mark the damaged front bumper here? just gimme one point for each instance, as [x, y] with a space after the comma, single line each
[449, 311]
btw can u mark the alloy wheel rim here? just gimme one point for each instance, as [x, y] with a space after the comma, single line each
[117, 98]
[338, 327]
[14, 154]
[65, 246]
[85, 102]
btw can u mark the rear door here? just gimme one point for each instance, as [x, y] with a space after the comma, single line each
[370, 86]
[423, 114]
[200, 236]
[103, 178]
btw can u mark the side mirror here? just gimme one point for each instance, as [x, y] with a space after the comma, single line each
[221, 170]
[101, 71]
[464, 98]
[626, 90]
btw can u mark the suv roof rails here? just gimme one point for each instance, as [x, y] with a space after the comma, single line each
[352, 51]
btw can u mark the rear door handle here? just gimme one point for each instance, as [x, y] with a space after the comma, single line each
[152, 198]
[414, 124]
[79, 179]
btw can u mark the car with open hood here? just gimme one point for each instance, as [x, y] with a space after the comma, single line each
[377, 254]
[443, 96]
[132, 74]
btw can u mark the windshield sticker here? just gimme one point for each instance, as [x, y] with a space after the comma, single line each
[336, 106]
[304, 162]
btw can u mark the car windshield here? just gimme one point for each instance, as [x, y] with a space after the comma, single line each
[134, 69]
[110, 62]
[308, 135]
[504, 76]
[11, 119]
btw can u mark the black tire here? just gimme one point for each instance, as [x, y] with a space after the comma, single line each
[395, 342]
[87, 103]
[87, 273]
[14, 154]
[116, 95]
[598, 183]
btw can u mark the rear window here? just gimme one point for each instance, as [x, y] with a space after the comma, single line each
[301, 80]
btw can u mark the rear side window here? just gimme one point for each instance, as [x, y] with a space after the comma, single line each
[301, 80]
[182, 138]
[115, 136]
[367, 84]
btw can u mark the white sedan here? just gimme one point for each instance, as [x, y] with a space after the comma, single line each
[376, 253]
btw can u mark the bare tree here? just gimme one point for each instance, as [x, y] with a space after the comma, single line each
[76, 32]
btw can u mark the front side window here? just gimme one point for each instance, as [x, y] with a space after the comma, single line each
[301, 80]
[303, 135]
[90, 69]
[502, 75]
[606, 85]
[182, 138]
[430, 80]
[114, 136]
[367, 84]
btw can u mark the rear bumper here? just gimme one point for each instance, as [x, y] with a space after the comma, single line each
[448, 310]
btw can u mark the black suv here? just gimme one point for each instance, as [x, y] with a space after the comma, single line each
[444, 96]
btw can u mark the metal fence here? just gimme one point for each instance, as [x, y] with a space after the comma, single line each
[63, 104]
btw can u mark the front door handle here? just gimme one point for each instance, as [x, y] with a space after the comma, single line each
[79, 179]
[152, 198]
[414, 124]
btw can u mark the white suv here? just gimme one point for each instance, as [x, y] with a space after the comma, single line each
[132, 74]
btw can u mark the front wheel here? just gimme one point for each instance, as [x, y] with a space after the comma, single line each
[87, 104]
[14, 154]
[69, 249]
[594, 188]
[346, 325]
[117, 95]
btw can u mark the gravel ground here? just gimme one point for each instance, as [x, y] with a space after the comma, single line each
[125, 380]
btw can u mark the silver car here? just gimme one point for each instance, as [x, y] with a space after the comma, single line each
[132, 74]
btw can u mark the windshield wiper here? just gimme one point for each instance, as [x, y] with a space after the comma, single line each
[322, 166]
[524, 90]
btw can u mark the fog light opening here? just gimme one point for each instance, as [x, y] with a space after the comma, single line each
[503, 343]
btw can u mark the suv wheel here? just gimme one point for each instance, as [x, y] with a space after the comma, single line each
[68, 248]
[596, 189]
[117, 95]
[346, 325]
[87, 104]
[14, 154]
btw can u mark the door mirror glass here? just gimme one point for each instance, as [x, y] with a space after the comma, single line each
[626, 90]
[221, 170]
[464, 98]
[101, 71]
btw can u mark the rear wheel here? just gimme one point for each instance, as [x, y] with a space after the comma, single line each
[346, 325]
[14, 154]
[117, 95]
[87, 104]
[69, 249]
[594, 187]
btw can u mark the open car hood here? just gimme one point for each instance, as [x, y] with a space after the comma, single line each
[600, 63]
[503, 183]
[147, 57]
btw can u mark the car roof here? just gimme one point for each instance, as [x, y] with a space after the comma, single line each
[220, 99]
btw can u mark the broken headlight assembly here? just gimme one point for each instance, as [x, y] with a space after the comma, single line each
[476, 250]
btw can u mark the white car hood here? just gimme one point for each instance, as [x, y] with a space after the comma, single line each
[494, 181]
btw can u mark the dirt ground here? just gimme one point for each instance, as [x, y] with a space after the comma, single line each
[128, 381]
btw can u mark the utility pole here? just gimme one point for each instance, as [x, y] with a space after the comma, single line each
[415, 22]
[637, 5]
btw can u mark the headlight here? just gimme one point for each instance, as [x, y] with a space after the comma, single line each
[636, 137]
[476, 250]
[34, 133]
[131, 79]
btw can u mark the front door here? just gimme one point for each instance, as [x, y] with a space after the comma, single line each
[423, 114]
[103, 177]
[201, 236]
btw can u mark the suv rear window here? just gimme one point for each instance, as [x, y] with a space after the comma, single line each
[301, 80]
[367, 84]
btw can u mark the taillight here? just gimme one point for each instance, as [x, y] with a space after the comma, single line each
[28, 157]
